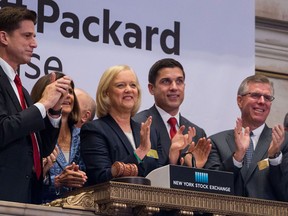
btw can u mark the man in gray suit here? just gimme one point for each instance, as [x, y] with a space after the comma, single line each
[254, 175]
[167, 84]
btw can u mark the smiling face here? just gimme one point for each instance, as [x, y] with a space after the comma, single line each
[169, 89]
[20, 44]
[123, 92]
[68, 103]
[255, 110]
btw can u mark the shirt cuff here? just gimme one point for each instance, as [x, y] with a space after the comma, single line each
[237, 163]
[41, 108]
[54, 121]
[276, 161]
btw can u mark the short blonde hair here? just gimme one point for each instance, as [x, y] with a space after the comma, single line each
[102, 100]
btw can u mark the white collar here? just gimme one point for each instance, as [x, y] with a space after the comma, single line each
[166, 116]
[8, 70]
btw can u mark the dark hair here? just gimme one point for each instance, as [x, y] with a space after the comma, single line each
[163, 63]
[10, 17]
[39, 87]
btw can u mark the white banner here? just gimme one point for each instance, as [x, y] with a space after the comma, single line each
[214, 40]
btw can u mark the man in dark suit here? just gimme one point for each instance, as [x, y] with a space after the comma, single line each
[26, 133]
[167, 84]
[253, 151]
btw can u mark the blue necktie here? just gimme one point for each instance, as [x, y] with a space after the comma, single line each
[249, 152]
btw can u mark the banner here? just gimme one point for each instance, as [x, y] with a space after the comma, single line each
[214, 41]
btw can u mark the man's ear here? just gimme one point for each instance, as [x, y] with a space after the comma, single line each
[151, 88]
[86, 116]
[3, 37]
[239, 101]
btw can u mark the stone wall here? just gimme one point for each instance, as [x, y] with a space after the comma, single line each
[271, 52]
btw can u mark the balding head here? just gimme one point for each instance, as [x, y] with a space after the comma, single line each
[87, 106]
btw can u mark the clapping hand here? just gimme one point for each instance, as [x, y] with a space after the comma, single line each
[278, 136]
[180, 142]
[200, 152]
[242, 140]
[49, 161]
[145, 143]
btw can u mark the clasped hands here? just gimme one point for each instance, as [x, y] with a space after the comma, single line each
[199, 151]
[71, 176]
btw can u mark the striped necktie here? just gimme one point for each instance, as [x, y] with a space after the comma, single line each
[249, 152]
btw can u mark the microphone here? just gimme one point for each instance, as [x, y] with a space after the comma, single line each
[193, 161]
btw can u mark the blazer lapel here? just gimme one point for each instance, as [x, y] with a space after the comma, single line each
[136, 132]
[115, 127]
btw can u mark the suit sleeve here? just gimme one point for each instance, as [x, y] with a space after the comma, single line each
[49, 137]
[19, 125]
[220, 157]
[278, 175]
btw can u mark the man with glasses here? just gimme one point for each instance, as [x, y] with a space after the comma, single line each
[252, 151]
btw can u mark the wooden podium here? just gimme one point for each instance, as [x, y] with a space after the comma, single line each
[117, 198]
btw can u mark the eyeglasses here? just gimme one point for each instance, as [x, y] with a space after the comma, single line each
[257, 96]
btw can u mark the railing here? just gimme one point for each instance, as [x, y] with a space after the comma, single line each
[133, 199]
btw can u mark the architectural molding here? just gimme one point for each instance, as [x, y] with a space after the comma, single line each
[132, 199]
[271, 47]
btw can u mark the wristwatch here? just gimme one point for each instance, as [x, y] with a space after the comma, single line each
[275, 155]
[54, 112]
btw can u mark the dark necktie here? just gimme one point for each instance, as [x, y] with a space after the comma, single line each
[249, 152]
[36, 155]
[172, 122]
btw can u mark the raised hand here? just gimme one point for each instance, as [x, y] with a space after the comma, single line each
[180, 142]
[55, 93]
[145, 143]
[242, 140]
[49, 161]
[200, 152]
[278, 136]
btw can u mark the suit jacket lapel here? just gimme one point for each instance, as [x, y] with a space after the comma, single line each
[231, 141]
[27, 97]
[261, 150]
[115, 127]
[4, 81]
[161, 127]
[182, 122]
